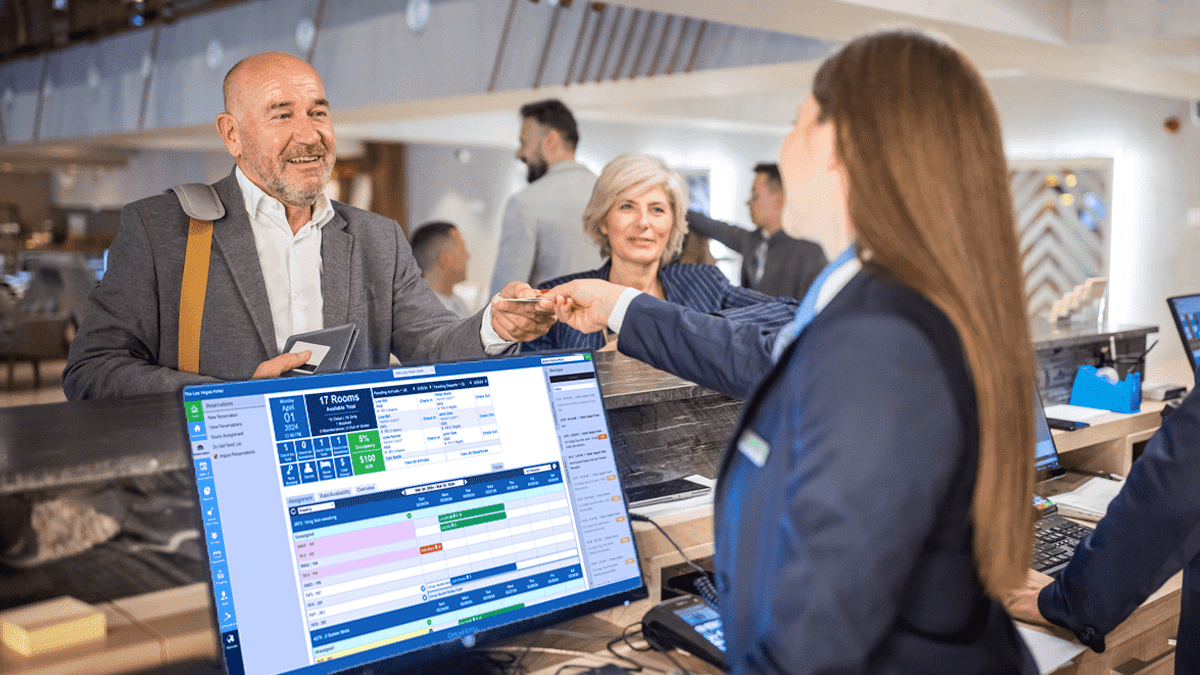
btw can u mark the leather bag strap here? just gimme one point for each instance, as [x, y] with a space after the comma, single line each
[191, 295]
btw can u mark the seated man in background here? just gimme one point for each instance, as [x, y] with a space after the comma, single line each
[772, 262]
[1150, 532]
[283, 260]
[442, 256]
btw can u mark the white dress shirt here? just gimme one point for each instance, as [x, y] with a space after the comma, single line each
[291, 263]
[291, 266]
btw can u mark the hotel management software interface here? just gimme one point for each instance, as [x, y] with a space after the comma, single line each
[390, 510]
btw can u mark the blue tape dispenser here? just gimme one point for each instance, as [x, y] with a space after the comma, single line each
[1094, 391]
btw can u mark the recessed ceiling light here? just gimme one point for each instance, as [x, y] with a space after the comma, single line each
[214, 54]
[305, 32]
[417, 14]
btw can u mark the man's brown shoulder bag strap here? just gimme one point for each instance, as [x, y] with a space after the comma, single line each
[201, 203]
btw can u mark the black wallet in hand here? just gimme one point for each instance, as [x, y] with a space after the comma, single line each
[330, 349]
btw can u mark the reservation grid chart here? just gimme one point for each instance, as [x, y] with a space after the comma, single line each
[420, 560]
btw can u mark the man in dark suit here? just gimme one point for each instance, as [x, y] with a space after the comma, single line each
[1150, 532]
[772, 262]
[284, 260]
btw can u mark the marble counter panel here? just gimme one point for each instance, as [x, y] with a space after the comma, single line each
[629, 382]
[56, 444]
[671, 439]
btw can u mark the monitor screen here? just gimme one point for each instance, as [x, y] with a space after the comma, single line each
[1045, 454]
[1186, 311]
[361, 516]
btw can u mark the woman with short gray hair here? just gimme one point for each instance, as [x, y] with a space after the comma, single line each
[637, 216]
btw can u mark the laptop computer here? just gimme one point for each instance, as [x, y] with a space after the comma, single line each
[1185, 309]
[1054, 537]
[409, 513]
[1045, 455]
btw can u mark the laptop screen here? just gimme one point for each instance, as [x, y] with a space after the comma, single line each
[1186, 311]
[1045, 458]
[360, 516]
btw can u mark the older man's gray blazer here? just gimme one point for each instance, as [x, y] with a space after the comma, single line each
[129, 341]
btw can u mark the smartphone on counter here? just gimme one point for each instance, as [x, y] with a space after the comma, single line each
[1066, 425]
[666, 491]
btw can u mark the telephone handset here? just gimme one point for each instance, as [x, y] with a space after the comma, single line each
[689, 623]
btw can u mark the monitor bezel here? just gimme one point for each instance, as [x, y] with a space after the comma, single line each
[1192, 361]
[453, 646]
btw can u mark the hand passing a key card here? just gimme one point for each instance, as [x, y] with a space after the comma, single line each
[521, 313]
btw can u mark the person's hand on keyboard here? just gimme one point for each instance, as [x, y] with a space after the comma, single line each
[1022, 602]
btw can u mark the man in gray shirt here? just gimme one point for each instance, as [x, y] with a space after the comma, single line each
[542, 233]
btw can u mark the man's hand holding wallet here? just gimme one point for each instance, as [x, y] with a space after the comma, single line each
[328, 350]
[321, 351]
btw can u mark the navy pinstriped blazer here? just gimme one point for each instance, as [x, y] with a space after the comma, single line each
[699, 287]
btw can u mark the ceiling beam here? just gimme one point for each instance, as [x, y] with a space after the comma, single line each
[1113, 66]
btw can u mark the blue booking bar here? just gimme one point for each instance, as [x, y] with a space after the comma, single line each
[482, 574]
[341, 515]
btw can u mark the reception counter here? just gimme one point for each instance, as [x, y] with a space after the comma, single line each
[661, 426]
[157, 602]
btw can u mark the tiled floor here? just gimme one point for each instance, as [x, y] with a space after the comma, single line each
[22, 391]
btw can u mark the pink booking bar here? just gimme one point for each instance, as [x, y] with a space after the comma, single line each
[359, 539]
[363, 563]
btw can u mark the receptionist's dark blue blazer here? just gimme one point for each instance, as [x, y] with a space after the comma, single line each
[1150, 532]
[849, 550]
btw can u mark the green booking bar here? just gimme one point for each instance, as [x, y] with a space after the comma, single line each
[470, 513]
[468, 522]
[485, 615]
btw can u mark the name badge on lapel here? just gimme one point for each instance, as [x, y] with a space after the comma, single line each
[754, 448]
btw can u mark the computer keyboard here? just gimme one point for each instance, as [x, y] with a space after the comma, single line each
[1054, 542]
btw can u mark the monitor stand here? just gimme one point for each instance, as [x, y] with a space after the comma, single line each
[458, 664]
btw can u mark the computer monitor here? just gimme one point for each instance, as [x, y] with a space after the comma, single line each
[397, 514]
[1185, 309]
[1045, 460]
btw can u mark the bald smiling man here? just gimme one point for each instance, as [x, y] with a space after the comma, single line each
[284, 260]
